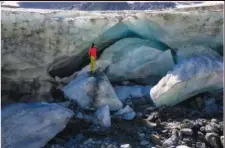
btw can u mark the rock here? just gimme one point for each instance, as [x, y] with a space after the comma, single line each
[213, 139]
[212, 127]
[155, 139]
[139, 115]
[135, 91]
[149, 124]
[201, 135]
[190, 77]
[200, 145]
[79, 115]
[125, 146]
[222, 140]
[202, 129]
[214, 121]
[188, 124]
[144, 143]
[153, 116]
[88, 141]
[126, 113]
[187, 131]
[141, 135]
[45, 122]
[173, 140]
[93, 91]
[182, 146]
[103, 116]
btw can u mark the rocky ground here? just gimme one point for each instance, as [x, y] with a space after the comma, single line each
[197, 123]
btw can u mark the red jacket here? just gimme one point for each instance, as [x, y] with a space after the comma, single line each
[92, 52]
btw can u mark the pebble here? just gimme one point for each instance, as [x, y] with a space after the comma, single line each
[213, 139]
[200, 135]
[212, 128]
[222, 140]
[187, 131]
[141, 135]
[144, 142]
[182, 146]
[153, 116]
[125, 146]
[214, 121]
[155, 139]
[139, 115]
[88, 141]
[202, 129]
[200, 145]
[173, 140]
[188, 124]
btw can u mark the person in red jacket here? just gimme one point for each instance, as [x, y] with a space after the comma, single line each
[93, 56]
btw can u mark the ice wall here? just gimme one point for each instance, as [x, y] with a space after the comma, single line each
[32, 40]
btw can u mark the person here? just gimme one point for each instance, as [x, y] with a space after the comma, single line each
[93, 56]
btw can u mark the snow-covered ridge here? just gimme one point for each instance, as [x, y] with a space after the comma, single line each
[85, 6]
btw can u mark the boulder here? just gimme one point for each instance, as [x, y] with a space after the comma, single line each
[32, 125]
[92, 92]
[198, 74]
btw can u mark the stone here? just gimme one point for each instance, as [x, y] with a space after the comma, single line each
[173, 140]
[126, 113]
[200, 135]
[202, 129]
[200, 145]
[125, 146]
[92, 92]
[139, 115]
[153, 116]
[214, 121]
[212, 127]
[33, 124]
[188, 124]
[133, 92]
[155, 139]
[144, 143]
[182, 146]
[213, 139]
[103, 116]
[190, 77]
[222, 140]
[141, 135]
[187, 131]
